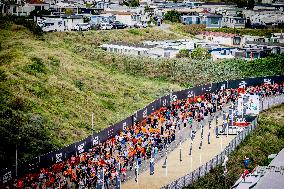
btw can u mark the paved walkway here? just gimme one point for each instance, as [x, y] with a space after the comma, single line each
[178, 169]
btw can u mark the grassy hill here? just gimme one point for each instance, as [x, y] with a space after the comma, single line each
[267, 139]
[51, 84]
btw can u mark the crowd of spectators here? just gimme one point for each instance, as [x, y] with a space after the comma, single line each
[143, 140]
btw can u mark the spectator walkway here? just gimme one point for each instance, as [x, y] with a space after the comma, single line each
[177, 168]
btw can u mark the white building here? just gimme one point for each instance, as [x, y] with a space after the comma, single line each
[59, 23]
[25, 9]
[221, 38]
[154, 49]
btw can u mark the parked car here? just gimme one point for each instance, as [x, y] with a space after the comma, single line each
[82, 27]
[106, 26]
[140, 25]
[258, 26]
[118, 25]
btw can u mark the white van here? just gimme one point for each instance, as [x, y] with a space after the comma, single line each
[53, 25]
[82, 27]
[105, 26]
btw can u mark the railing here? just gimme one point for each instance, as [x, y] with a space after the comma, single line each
[217, 160]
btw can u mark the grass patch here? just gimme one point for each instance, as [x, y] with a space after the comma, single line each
[135, 31]
[37, 66]
[195, 29]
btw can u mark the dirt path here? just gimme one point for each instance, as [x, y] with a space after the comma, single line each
[178, 169]
[166, 28]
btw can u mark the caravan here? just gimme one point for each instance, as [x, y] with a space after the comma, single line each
[53, 25]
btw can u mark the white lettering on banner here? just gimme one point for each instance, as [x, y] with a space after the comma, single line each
[135, 117]
[124, 126]
[153, 108]
[145, 113]
[174, 98]
[7, 177]
[58, 157]
[96, 140]
[110, 132]
[81, 148]
[207, 89]
[267, 81]
[223, 87]
[242, 84]
[189, 94]
[164, 102]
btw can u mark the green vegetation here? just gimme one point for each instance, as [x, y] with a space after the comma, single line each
[200, 54]
[267, 139]
[51, 83]
[49, 87]
[131, 3]
[195, 29]
[172, 15]
[183, 53]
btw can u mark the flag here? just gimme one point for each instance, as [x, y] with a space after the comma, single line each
[136, 171]
[118, 181]
[180, 152]
[152, 168]
[100, 182]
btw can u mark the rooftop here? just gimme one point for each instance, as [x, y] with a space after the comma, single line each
[274, 178]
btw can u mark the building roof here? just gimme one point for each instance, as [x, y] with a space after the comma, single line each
[218, 34]
[117, 12]
[266, 44]
[273, 178]
[136, 45]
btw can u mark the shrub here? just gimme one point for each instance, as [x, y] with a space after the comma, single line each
[200, 54]
[135, 31]
[173, 16]
[183, 53]
[79, 84]
[54, 61]
[36, 67]
[3, 75]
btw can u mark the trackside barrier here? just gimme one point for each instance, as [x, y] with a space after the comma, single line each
[218, 159]
[47, 160]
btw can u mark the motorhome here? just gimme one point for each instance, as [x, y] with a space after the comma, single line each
[50, 25]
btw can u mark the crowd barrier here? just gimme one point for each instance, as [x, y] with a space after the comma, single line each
[219, 159]
[79, 147]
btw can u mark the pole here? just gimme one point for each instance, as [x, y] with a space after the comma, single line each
[191, 168]
[166, 160]
[221, 143]
[200, 159]
[228, 125]
[92, 123]
[16, 161]
[180, 159]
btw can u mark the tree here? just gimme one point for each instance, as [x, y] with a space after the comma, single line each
[200, 53]
[131, 3]
[68, 11]
[244, 3]
[173, 16]
[183, 53]
[39, 13]
[147, 9]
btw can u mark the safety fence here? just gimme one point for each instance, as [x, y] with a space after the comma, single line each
[219, 159]
[47, 160]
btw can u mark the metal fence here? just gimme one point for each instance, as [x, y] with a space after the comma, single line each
[218, 159]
